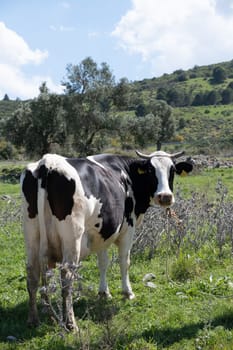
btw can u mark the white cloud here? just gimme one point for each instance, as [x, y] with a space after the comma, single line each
[176, 34]
[14, 50]
[16, 84]
[15, 53]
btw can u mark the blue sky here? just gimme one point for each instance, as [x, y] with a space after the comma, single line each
[137, 38]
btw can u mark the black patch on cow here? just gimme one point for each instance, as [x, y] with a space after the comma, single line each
[171, 177]
[106, 186]
[42, 174]
[129, 210]
[60, 192]
[30, 189]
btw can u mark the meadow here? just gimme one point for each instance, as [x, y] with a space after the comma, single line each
[181, 273]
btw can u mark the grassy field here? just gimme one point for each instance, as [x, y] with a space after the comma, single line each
[187, 303]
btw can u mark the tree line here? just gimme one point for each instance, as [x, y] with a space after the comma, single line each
[87, 118]
[177, 96]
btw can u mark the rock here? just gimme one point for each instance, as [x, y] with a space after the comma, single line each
[11, 338]
[150, 285]
[148, 277]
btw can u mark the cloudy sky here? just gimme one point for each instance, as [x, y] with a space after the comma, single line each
[137, 38]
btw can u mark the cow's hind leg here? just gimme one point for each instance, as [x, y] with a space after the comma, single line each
[33, 275]
[70, 233]
[103, 266]
[67, 276]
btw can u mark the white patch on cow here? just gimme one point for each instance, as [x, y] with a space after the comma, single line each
[91, 158]
[60, 164]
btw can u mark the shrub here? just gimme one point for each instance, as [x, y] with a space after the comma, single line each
[184, 268]
[7, 150]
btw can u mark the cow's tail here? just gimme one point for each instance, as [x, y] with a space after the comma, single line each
[42, 216]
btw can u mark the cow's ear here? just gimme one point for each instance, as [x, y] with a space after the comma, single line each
[183, 168]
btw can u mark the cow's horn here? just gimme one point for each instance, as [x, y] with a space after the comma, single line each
[178, 154]
[142, 155]
[156, 154]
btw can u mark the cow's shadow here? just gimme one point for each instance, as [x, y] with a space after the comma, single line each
[13, 321]
[167, 336]
[99, 310]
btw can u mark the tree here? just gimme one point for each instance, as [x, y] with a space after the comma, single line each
[198, 99]
[175, 97]
[88, 123]
[87, 76]
[6, 98]
[88, 101]
[121, 94]
[219, 75]
[212, 97]
[160, 121]
[163, 111]
[145, 130]
[227, 96]
[162, 94]
[141, 110]
[38, 124]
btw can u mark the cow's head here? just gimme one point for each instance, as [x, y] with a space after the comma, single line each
[163, 167]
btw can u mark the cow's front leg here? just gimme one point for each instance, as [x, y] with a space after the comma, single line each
[103, 266]
[124, 246]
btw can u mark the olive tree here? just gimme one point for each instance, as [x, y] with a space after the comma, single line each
[88, 102]
[38, 124]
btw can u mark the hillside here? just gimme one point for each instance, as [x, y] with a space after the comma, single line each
[7, 108]
[195, 72]
[202, 101]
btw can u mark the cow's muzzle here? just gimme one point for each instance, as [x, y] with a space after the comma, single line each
[164, 199]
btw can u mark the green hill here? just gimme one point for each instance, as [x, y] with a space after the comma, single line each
[202, 101]
[205, 85]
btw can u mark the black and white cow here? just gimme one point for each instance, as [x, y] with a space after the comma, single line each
[73, 207]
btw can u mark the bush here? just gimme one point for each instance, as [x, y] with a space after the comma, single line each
[10, 174]
[184, 268]
[7, 150]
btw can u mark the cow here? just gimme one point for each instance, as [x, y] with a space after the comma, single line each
[76, 206]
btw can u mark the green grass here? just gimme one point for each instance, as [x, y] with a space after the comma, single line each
[9, 189]
[190, 306]
[174, 315]
[206, 182]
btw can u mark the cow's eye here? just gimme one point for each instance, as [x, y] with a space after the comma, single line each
[150, 169]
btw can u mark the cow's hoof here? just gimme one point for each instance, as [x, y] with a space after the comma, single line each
[128, 295]
[105, 295]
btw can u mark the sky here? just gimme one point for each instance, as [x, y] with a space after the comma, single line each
[138, 39]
